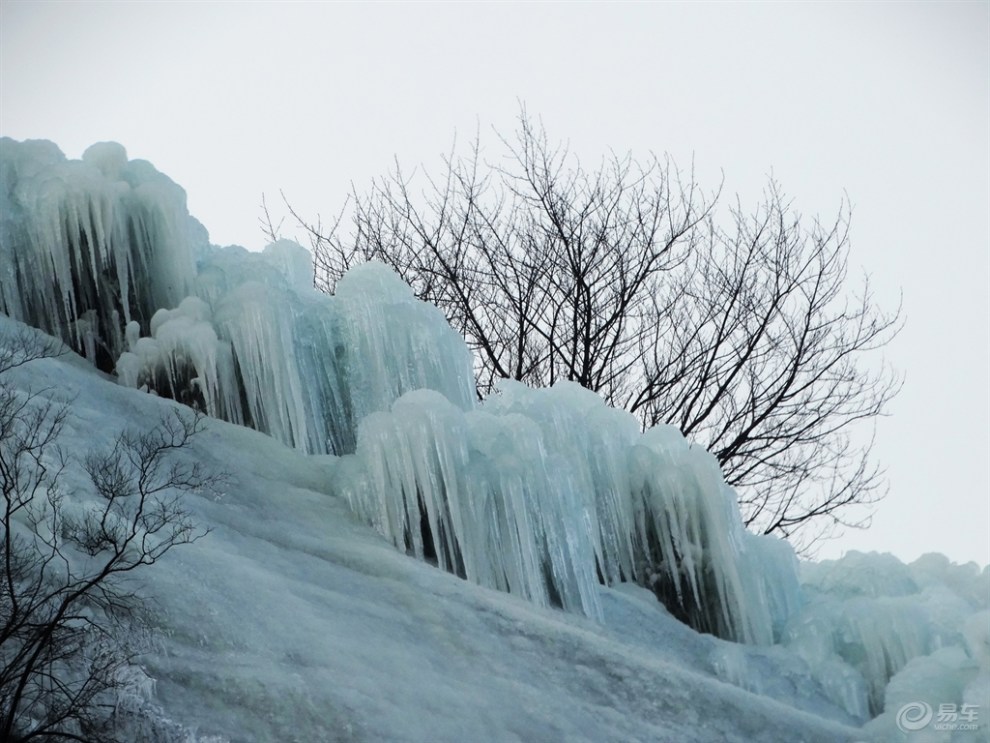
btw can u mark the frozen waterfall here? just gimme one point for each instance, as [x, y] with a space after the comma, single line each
[542, 493]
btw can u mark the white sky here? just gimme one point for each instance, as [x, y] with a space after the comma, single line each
[887, 102]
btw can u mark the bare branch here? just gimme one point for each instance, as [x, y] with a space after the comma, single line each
[740, 327]
[68, 622]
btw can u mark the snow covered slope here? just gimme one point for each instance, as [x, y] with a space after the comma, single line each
[292, 621]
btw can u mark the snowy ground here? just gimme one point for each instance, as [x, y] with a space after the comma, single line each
[292, 621]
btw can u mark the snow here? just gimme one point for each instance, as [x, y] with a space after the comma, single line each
[609, 592]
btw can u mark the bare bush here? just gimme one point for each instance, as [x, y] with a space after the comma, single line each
[70, 625]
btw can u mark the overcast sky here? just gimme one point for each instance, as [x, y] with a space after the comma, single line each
[888, 103]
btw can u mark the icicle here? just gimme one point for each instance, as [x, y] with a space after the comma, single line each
[293, 261]
[394, 343]
[871, 614]
[542, 491]
[493, 513]
[81, 232]
[539, 492]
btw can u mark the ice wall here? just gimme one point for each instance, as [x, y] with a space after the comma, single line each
[258, 345]
[873, 614]
[547, 493]
[87, 246]
[544, 494]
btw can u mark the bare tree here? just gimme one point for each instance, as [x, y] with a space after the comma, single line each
[766, 355]
[742, 328]
[271, 231]
[69, 621]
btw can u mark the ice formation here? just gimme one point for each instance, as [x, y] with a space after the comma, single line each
[566, 492]
[546, 494]
[257, 345]
[91, 244]
[891, 624]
